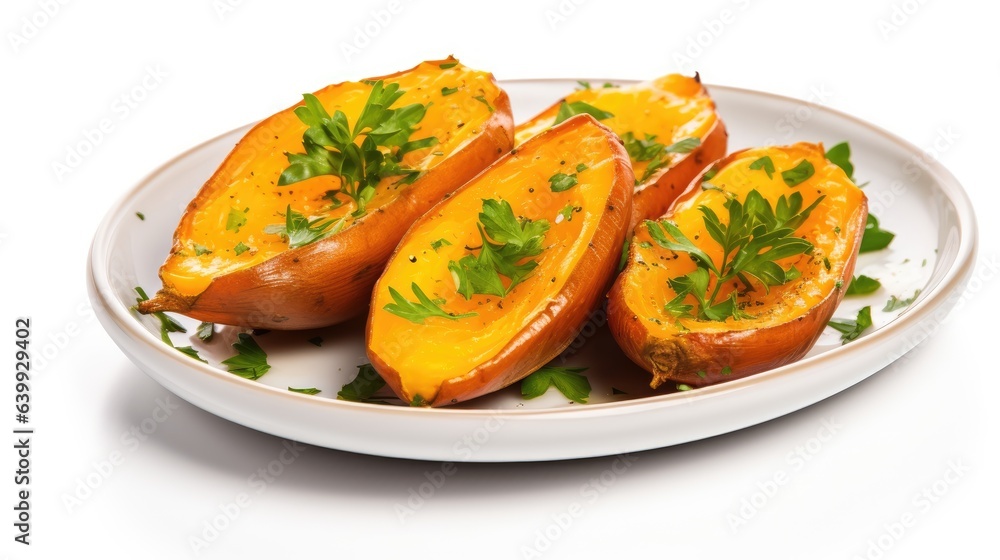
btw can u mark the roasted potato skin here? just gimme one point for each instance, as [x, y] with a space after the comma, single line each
[330, 281]
[715, 354]
[550, 331]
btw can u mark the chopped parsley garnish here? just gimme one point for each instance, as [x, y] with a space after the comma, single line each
[567, 380]
[798, 174]
[754, 239]
[506, 242]
[895, 303]
[448, 90]
[141, 216]
[305, 391]
[363, 386]
[482, 99]
[562, 182]
[863, 285]
[840, 155]
[418, 311]
[655, 153]
[237, 218]
[623, 260]
[439, 243]
[301, 231]
[850, 329]
[766, 164]
[240, 248]
[315, 341]
[250, 361]
[569, 108]
[200, 250]
[875, 238]
[567, 212]
[206, 331]
[447, 65]
[190, 352]
[331, 146]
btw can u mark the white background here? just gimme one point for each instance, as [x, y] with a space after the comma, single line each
[929, 70]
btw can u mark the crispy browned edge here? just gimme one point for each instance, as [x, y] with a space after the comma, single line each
[552, 330]
[746, 352]
[330, 281]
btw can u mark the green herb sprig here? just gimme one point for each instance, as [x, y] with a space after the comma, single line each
[331, 146]
[657, 154]
[506, 242]
[301, 231]
[420, 310]
[755, 237]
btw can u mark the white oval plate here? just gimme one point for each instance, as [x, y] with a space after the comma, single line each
[912, 195]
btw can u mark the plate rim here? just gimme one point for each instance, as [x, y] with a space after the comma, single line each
[952, 279]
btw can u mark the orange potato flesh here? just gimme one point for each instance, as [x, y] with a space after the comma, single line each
[445, 361]
[672, 108]
[471, 133]
[787, 318]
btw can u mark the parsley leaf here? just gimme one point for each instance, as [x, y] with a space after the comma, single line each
[623, 260]
[562, 182]
[439, 243]
[840, 155]
[567, 109]
[567, 212]
[850, 329]
[237, 218]
[331, 146]
[448, 90]
[240, 248]
[363, 386]
[765, 163]
[507, 241]
[141, 216]
[875, 238]
[862, 285]
[648, 149]
[567, 380]
[798, 174]
[756, 236]
[417, 311]
[447, 65]
[683, 146]
[301, 231]
[189, 351]
[206, 331]
[167, 323]
[895, 303]
[305, 391]
[250, 361]
[482, 99]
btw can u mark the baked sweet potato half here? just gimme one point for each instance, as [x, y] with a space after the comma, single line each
[745, 269]
[669, 126]
[295, 226]
[496, 280]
